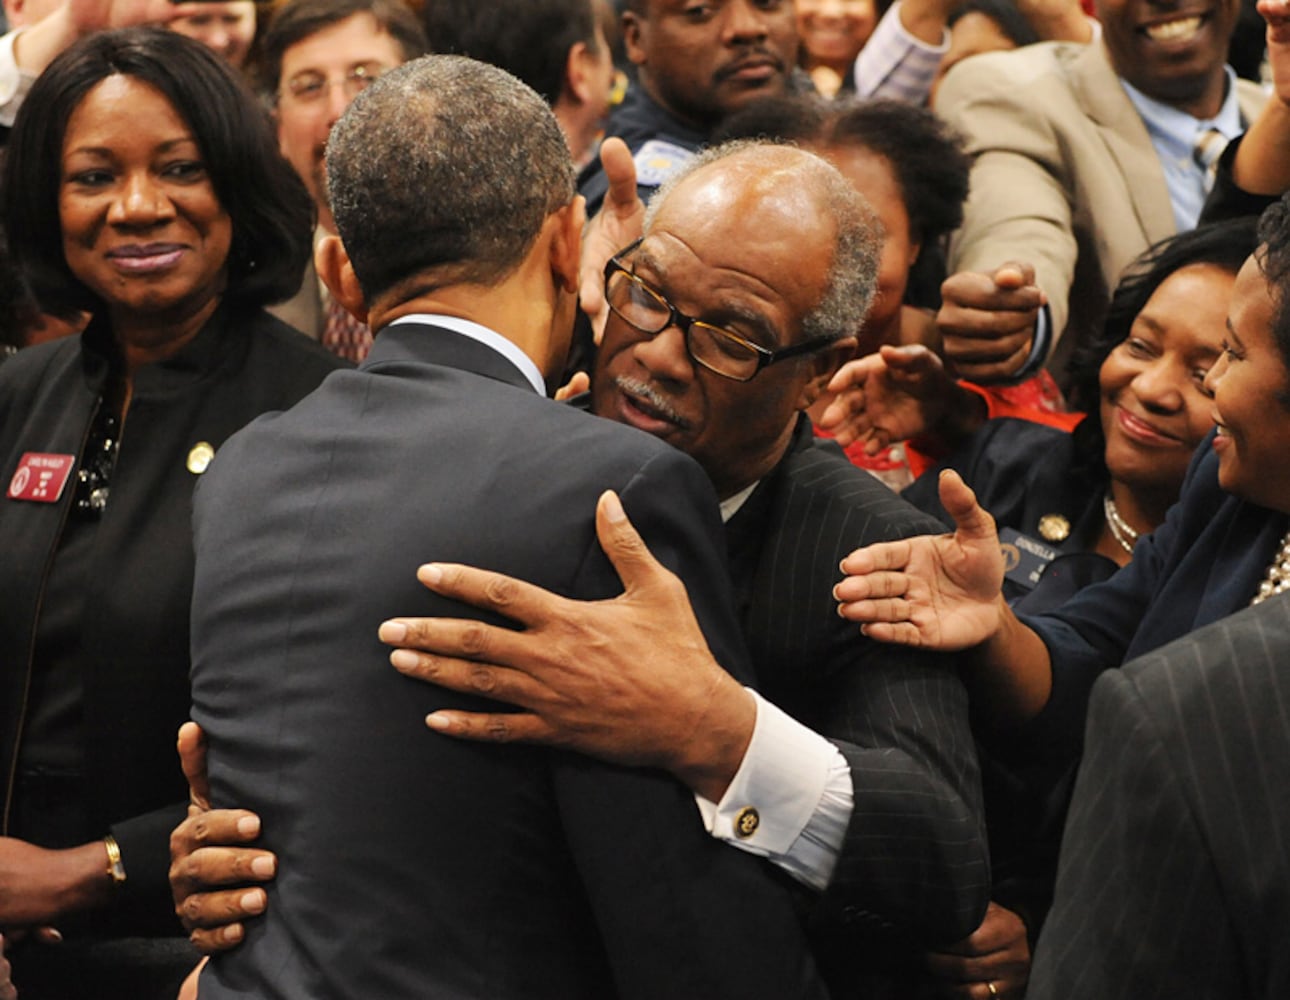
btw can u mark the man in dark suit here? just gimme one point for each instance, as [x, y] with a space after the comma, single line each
[415, 867]
[1175, 871]
[886, 817]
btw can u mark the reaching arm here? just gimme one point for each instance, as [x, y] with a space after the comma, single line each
[902, 55]
[943, 592]
[620, 220]
[897, 394]
[652, 694]
[630, 680]
[71, 20]
[1262, 162]
[989, 321]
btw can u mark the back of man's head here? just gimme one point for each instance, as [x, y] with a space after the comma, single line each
[530, 39]
[444, 171]
[296, 20]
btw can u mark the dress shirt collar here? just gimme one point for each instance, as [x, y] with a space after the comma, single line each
[730, 506]
[1173, 135]
[483, 335]
[1177, 128]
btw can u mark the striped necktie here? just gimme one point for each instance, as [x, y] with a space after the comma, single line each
[1206, 150]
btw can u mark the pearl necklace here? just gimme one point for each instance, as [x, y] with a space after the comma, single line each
[1277, 580]
[1121, 530]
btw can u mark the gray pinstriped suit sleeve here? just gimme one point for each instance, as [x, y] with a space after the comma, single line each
[1175, 870]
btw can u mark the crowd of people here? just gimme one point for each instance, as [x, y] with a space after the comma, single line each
[644, 498]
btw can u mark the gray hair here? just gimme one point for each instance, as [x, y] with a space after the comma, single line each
[444, 169]
[853, 271]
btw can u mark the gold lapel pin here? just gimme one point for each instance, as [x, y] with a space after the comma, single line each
[199, 456]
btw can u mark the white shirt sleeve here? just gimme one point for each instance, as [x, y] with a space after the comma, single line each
[895, 64]
[14, 83]
[789, 802]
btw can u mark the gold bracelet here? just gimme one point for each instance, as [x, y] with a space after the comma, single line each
[115, 869]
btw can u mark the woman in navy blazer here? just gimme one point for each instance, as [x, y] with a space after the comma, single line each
[1222, 547]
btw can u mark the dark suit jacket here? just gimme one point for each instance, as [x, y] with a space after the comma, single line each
[413, 865]
[131, 624]
[914, 861]
[1175, 871]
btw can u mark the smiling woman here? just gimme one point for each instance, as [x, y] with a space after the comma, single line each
[149, 191]
[1223, 546]
[142, 227]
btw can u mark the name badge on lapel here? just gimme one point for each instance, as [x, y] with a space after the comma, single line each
[1024, 559]
[40, 477]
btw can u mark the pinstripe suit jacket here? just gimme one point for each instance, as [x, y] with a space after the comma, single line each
[915, 850]
[1175, 870]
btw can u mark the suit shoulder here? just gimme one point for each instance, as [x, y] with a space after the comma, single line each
[1228, 669]
[30, 363]
[578, 429]
[822, 484]
[1001, 71]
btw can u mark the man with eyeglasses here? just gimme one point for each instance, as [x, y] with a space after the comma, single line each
[854, 770]
[317, 55]
[422, 868]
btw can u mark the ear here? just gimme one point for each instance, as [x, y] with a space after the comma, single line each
[633, 28]
[566, 243]
[13, 12]
[822, 367]
[577, 72]
[337, 273]
[915, 249]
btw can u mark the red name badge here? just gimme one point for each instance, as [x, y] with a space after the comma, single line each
[41, 477]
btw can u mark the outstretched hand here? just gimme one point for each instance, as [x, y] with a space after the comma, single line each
[629, 680]
[892, 395]
[942, 592]
[987, 321]
[620, 221]
[212, 875]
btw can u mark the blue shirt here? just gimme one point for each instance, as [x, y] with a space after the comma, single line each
[1173, 134]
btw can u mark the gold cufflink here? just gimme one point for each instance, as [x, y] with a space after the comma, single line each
[746, 822]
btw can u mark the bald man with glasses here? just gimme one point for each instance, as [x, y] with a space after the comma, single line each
[853, 768]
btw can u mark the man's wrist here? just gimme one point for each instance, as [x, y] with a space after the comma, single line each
[709, 758]
[1041, 342]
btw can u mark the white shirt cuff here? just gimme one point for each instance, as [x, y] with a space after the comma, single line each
[790, 800]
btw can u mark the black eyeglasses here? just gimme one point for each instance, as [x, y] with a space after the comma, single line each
[727, 354]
